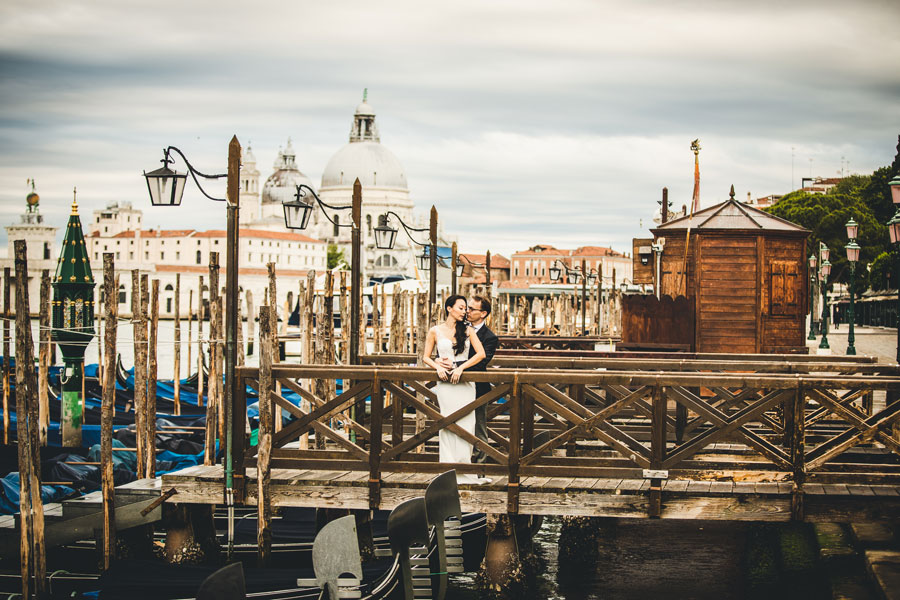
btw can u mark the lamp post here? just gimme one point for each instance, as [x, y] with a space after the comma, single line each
[894, 230]
[812, 295]
[852, 257]
[825, 271]
[166, 187]
[385, 236]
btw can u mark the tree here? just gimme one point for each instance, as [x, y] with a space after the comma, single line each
[335, 256]
[880, 274]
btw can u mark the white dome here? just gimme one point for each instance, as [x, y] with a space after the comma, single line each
[364, 108]
[372, 163]
[282, 184]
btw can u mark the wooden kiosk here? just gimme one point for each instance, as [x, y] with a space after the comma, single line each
[744, 274]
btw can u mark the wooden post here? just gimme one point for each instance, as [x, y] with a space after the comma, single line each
[190, 339]
[149, 424]
[263, 465]
[214, 384]
[796, 407]
[376, 320]
[111, 314]
[140, 373]
[32, 550]
[220, 359]
[176, 380]
[377, 407]
[422, 313]
[153, 369]
[413, 303]
[44, 357]
[657, 448]
[251, 321]
[240, 331]
[396, 314]
[308, 342]
[488, 286]
[453, 258]
[7, 315]
[200, 382]
[209, 454]
[345, 330]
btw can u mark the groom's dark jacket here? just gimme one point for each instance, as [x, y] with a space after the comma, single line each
[489, 341]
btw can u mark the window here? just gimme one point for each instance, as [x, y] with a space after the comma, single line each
[46, 250]
[162, 256]
[146, 256]
[122, 296]
[517, 270]
[784, 281]
[168, 305]
[199, 258]
[369, 223]
[131, 256]
[117, 256]
[177, 255]
[169, 288]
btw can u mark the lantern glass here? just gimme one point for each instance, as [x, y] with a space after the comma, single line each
[385, 236]
[423, 261]
[592, 279]
[894, 228]
[895, 189]
[812, 261]
[824, 252]
[554, 273]
[166, 186]
[459, 267]
[852, 229]
[296, 213]
[852, 252]
[572, 276]
[826, 269]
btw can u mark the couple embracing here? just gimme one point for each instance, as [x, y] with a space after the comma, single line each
[462, 342]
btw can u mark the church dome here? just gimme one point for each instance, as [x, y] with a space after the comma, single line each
[371, 162]
[364, 157]
[282, 184]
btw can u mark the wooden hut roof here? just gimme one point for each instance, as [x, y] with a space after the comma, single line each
[733, 216]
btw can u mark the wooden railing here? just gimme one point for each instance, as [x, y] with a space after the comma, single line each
[589, 424]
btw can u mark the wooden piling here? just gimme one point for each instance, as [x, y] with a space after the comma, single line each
[422, 314]
[149, 427]
[140, 372]
[176, 366]
[251, 322]
[190, 339]
[111, 313]
[44, 358]
[264, 440]
[152, 372]
[200, 382]
[209, 454]
[345, 320]
[32, 549]
[7, 315]
[214, 383]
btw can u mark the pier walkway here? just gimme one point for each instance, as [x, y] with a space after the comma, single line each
[754, 438]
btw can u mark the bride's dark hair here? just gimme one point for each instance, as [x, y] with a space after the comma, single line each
[459, 336]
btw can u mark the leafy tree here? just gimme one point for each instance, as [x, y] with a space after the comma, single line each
[881, 272]
[335, 256]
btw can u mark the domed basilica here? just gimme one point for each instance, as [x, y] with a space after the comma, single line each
[384, 188]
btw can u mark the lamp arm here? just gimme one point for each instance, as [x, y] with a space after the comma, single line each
[407, 229]
[301, 191]
[194, 172]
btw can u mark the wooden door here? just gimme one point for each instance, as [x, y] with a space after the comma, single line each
[727, 295]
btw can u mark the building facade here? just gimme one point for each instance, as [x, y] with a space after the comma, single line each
[41, 246]
[532, 266]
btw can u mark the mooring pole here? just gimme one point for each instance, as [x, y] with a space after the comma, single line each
[234, 414]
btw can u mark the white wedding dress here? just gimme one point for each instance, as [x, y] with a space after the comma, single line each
[451, 397]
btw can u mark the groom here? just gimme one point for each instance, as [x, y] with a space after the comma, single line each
[478, 310]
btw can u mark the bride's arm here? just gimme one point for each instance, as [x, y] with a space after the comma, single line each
[473, 360]
[426, 356]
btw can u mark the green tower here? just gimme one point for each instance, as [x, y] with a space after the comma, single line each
[73, 323]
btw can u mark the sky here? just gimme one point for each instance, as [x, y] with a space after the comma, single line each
[521, 122]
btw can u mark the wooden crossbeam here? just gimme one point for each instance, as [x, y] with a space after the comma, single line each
[337, 404]
[586, 425]
[725, 425]
[326, 431]
[439, 422]
[603, 430]
[861, 430]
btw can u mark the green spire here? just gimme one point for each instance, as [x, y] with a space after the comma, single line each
[74, 265]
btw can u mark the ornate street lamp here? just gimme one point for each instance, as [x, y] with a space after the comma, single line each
[428, 260]
[813, 278]
[298, 210]
[852, 257]
[555, 272]
[825, 270]
[894, 229]
[572, 276]
[166, 188]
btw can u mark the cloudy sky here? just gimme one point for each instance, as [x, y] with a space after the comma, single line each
[522, 122]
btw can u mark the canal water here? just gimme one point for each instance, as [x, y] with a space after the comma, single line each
[639, 559]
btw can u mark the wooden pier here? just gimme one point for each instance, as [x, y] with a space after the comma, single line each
[746, 439]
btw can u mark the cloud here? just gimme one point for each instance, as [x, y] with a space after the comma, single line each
[555, 122]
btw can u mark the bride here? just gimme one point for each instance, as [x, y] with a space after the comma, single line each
[452, 339]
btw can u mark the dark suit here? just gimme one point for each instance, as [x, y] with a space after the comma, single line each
[489, 341]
